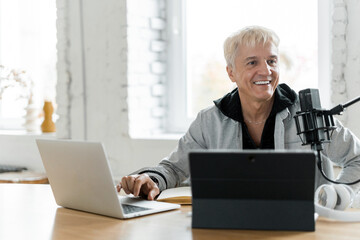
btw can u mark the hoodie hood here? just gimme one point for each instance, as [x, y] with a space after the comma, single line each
[230, 104]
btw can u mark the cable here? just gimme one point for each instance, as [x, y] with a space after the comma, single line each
[324, 175]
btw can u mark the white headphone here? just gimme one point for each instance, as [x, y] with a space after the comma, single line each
[332, 200]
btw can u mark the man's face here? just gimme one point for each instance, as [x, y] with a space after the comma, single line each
[256, 72]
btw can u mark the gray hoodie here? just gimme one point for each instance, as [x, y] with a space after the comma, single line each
[212, 129]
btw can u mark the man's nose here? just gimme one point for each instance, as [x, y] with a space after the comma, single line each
[264, 69]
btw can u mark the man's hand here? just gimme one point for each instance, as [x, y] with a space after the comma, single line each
[139, 185]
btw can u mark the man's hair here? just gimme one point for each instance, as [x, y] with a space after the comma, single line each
[248, 36]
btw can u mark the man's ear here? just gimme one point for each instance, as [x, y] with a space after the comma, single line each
[230, 73]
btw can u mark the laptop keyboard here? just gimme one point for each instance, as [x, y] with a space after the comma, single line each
[132, 209]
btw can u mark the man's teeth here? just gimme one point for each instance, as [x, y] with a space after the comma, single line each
[261, 82]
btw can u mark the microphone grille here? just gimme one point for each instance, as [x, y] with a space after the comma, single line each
[309, 99]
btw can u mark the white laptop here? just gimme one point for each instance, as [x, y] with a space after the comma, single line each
[80, 178]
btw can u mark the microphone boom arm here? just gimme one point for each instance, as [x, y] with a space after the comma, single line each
[340, 108]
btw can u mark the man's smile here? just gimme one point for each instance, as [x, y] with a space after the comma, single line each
[262, 82]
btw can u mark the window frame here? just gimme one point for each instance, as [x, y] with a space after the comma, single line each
[176, 71]
[177, 120]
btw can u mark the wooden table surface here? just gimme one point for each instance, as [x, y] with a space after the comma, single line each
[28, 211]
[24, 177]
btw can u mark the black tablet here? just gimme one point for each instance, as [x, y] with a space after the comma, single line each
[253, 189]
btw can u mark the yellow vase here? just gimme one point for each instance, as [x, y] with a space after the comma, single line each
[48, 125]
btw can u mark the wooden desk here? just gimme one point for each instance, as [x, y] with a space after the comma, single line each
[28, 211]
[23, 177]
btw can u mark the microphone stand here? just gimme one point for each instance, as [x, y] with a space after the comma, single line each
[317, 145]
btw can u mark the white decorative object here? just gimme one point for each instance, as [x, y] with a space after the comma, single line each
[32, 117]
[14, 78]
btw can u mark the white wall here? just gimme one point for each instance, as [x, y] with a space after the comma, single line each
[352, 69]
[346, 59]
[21, 151]
[93, 80]
[146, 72]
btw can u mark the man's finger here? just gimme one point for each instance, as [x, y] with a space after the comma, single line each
[139, 181]
[153, 193]
[130, 180]
[124, 185]
[118, 187]
[152, 190]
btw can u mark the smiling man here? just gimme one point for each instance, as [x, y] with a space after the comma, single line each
[252, 63]
[258, 114]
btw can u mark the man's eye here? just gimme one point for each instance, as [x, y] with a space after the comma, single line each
[251, 63]
[272, 62]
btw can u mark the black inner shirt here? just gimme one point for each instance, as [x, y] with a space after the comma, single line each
[267, 136]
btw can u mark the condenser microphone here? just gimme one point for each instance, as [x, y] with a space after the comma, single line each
[316, 124]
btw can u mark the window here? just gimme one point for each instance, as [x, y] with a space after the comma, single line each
[197, 30]
[28, 46]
